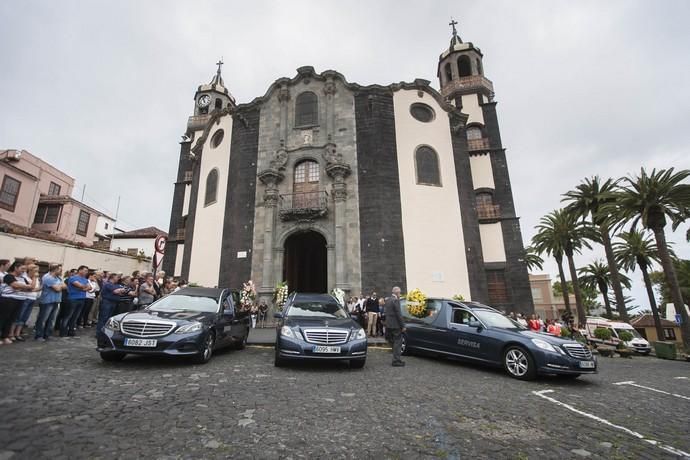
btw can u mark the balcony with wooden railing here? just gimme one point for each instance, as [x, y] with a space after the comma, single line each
[180, 234]
[465, 85]
[303, 205]
[188, 175]
[197, 122]
[478, 144]
[488, 212]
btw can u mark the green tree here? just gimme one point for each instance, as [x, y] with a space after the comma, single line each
[654, 199]
[561, 232]
[659, 281]
[589, 200]
[532, 259]
[598, 276]
[589, 295]
[635, 249]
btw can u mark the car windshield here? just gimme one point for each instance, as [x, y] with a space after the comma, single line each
[634, 333]
[187, 303]
[317, 310]
[495, 319]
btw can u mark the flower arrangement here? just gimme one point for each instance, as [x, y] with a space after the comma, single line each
[416, 303]
[280, 295]
[339, 294]
[247, 295]
[458, 297]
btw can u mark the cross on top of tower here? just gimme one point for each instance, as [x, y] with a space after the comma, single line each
[453, 23]
[219, 64]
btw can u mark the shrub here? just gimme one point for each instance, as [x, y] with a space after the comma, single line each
[602, 333]
[565, 332]
[625, 336]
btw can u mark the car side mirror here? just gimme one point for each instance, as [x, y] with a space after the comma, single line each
[229, 313]
[278, 315]
[475, 323]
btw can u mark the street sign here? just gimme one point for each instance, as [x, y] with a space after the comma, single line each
[159, 251]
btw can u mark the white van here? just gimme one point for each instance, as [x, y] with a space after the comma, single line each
[638, 343]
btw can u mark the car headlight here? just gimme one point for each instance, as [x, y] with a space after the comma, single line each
[113, 324]
[544, 345]
[189, 328]
[286, 331]
[359, 334]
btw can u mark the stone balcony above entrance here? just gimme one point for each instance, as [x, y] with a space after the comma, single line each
[303, 205]
[197, 122]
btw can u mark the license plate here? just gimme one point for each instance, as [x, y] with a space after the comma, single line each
[151, 343]
[587, 364]
[326, 350]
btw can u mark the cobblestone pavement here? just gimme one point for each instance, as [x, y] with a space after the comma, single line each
[58, 400]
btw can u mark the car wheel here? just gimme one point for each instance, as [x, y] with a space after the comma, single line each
[242, 344]
[403, 346]
[357, 363]
[278, 361]
[112, 356]
[519, 363]
[207, 352]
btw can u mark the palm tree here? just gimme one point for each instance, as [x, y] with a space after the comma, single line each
[562, 233]
[654, 199]
[637, 249]
[598, 276]
[532, 259]
[588, 200]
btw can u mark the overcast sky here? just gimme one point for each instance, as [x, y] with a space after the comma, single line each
[102, 90]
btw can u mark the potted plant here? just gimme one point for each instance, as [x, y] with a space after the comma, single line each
[604, 334]
[621, 348]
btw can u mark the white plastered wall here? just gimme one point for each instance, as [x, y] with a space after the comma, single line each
[185, 203]
[493, 249]
[204, 265]
[470, 106]
[178, 260]
[482, 174]
[435, 260]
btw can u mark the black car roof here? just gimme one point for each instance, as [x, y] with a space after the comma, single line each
[200, 292]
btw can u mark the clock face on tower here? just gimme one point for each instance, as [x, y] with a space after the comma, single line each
[204, 100]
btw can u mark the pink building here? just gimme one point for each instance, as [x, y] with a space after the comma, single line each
[36, 195]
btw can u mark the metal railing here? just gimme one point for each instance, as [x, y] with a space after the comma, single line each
[478, 144]
[303, 204]
[467, 84]
[489, 211]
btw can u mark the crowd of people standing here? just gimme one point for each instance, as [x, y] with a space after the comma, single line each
[79, 298]
[368, 311]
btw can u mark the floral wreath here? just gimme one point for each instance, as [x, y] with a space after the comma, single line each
[339, 295]
[280, 295]
[247, 295]
[416, 303]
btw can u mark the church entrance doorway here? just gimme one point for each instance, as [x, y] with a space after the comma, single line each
[305, 263]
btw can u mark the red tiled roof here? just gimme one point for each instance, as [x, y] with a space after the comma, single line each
[648, 321]
[147, 232]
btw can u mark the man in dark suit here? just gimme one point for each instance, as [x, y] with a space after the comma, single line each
[395, 325]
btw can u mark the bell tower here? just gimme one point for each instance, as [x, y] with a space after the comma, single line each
[461, 72]
[213, 96]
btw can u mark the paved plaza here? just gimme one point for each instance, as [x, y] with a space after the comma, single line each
[59, 400]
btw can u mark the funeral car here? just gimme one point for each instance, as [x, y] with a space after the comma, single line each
[316, 327]
[191, 322]
[479, 333]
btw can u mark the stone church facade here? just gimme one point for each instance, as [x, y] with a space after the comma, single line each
[328, 184]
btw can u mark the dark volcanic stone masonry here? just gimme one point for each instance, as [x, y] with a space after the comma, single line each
[380, 214]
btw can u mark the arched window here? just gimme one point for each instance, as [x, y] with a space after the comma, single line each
[449, 72]
[480, 71]
[219, 104]
[464, 66]
[211, 187]
[474, 133]
[306, 109]
[306, 184]
[426, 162]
